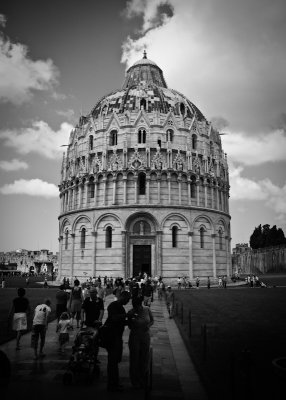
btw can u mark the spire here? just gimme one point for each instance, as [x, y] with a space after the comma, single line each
[144, 54]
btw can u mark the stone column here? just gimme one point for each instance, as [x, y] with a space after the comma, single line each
[189, 192]
[148, 189]
[191, 268]
[180, 189]
[198, 192]
[72, 258]
[217, 197]
[85, 200]
[114, 190]
[94, 235]
[125, 268]
[206, 193]
[159, 189]
[228, 256]
[60, 239]
[104, 190]
[212, 193]
[95, 193]
[158, 265]
[214, 255]
[80, 195]
[124, 190]
[169, 189]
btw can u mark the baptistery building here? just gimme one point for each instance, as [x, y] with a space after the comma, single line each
[144, 186]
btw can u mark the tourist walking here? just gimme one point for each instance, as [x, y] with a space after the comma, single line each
[63, 327]
[40, 325]
[116, 320]
[170, 301]
[18, 313]
[61, 301]
[75, 302]
[161, 289]
[140, 319]
[208, 283]
[147, 292]
[197, 282]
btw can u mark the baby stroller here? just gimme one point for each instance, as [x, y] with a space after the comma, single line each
[83, 361]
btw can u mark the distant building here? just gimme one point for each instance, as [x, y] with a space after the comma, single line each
[144, 186]
[29, 261]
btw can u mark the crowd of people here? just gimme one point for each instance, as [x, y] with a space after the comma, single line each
[82, 306]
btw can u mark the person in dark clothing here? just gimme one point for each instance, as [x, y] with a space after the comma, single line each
[19, 310]
[116, 320]
[61, 301]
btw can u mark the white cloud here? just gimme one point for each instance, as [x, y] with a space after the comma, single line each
[2, 20]
[255, 150]
[33, 187]
[19, 75]
[13, 165]
[220, 54]
[243, 188]
[39, 138]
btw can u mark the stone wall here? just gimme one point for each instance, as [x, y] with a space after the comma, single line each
[260, 261]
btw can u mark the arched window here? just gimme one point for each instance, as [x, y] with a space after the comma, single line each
[159, 142]
[66, 239]
[82, 238]
[174, 236]
[141, 136]
[113, 138]
[220, 239]
[170, 135]
[143, 104]
[142, 183]
[193, 187]
[90, 142]
[182, 108]
[108, 237]
[194, 142]
[202, 237]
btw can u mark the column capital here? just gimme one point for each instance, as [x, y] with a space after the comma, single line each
[73, 235]
[190, 233]
[213, 235]
[94, 233]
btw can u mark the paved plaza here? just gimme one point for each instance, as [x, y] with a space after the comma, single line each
[174, 376]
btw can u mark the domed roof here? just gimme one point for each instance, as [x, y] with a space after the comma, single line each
[145, 86]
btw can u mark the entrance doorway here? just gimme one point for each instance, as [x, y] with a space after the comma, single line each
[141, 259]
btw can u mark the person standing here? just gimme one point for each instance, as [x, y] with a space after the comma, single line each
[208, 283]
[40, 326]
[19, 311]
[198, 282]
[147, 293]
[75, 302]
[170, 301]
[116, 320]
[140, 319]
[61, 301]
[63, 329]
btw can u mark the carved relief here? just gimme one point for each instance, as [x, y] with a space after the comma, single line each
[178, 162]
[158, 161]
[96, 165]
[115, 162]
[137, 161]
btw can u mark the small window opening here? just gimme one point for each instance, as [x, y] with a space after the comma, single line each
[141, 136]
[113, 138]
[142, 183]
[202, 238]
[194, 142]
[66, 240]
[143, 104]
[182, 108]
[174, 236]
[91, 142]
[82, 238]
[108, 237]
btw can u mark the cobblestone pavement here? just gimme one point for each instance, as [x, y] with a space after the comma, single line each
[174, 376]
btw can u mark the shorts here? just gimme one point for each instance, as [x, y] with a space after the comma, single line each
[20, 322]
[38, 331]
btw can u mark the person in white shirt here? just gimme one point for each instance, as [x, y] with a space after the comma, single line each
[40, 324]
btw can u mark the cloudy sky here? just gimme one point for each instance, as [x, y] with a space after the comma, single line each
[58, 58]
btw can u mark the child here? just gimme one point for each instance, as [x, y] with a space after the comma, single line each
[64, 325]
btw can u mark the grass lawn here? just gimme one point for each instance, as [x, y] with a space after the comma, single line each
[35, 296]
[232, 336]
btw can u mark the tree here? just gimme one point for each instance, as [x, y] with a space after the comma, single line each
[266, 237]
